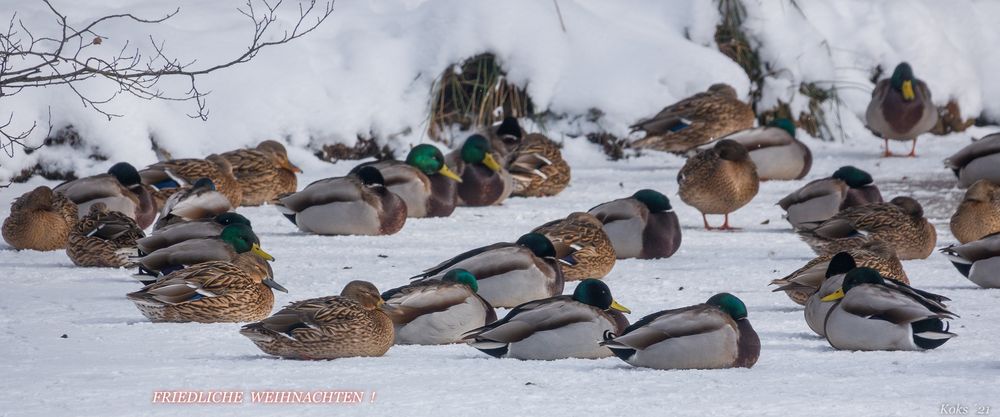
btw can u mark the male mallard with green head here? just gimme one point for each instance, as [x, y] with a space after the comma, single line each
[719, 180]
[120, 189]
[695, 120]
[901, 108]
[40, 220]
[823, 198]
[237, 243]
[642, 226]
[424, 181]
[484, 181]
[193, 229]
[436, 312]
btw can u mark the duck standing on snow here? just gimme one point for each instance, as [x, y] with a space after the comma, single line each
[642, 226]
[555, 328]
[580, 241]
[719, 180]
[823, 198]
[509, 274]
[978, 260]
[978, 161]
[356, 204]
[351, 324]
[436, 312]
[901, 108]
[201, 201]
[168, 177]
[899, 223]
[103, 238]
[40, 220]
[716, 334]
[263, 172]
[120, 190]
[805, 281]
[979, 213]
[775, 151]
[424, 182]
[872, 315]
[696, 120]
[484, 181]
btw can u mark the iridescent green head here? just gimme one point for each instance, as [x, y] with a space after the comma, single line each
[596, 293]
[729, 303]
[463, 277]
[854, 177]
[429, 160]
[540, 245]
[476, 150]
[229, 218]
[783, 124]
[654, 200]
[242, 238]
[902, 81]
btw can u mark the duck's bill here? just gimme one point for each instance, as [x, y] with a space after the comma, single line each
[491, 163]
[619, 307]
[274, 285]
[836, 295]
[908, 90]
[447, 172]
[256, 250]
[294, 168]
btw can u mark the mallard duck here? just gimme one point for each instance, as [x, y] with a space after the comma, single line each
[484, 181]
[719, 180]
[695, 120]
[424, 182]
[348, 325]
[979, 213]
[40, 220]
[103, 238]
[805, 281]
[642, 226]
[871, 315]
[263, 172]
[201, 201]
[840, 264]
[823, 198]
[899, 223]
[555, 328]
[210, 292]
[237, 243]
[437, 312]
[538, 167]
[775, 151]
[509, 274]
[978, 260]
[901, 108]
[580, 240]
[716, 334]
[358, 204]
[120, 189]
[505, 137]
[193, 229]
[978, 161]
[168, 177]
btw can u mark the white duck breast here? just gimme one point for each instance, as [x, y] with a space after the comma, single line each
[816, 310]
[443, 327]
[433, 313]
[871, 317]
[697, 337]
[509, 275]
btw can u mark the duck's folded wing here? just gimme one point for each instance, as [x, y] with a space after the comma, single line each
[621, 209]
[669, 324]
[188, 252]
[988, 145]
[884, 303]
[90, 188]
[326, 191]
[407, 303]
[530, 318]
[444, 266]
[761, 137]
[814, 190]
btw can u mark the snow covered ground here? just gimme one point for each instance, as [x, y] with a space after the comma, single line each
[112, 359]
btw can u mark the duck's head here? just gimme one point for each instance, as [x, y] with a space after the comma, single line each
[229, 218]
[841, 263]
[242, 238]
[909, 206]
[540, 245]
[280, 154]
[126, 174]
[203, 184]
[856, 277]
[731, 150]
[596, 293]
[38, 199]
[371, 176]
[654, 200]
[509, 130]
[853, 176]
[477, 150]
[783, 124]
[983, 191]
[462, 276]
[730, 304]
[364, 293]
[902, 81]
[429, 160]
[723, 89]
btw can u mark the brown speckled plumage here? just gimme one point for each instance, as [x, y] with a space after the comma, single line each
[875, 254]
[263, 172]
[719, 180]
[581, 236]
[708, 115]
[213, 167]
[538, 167]
[348, 325]
[103, 238]
[899, 223]
[211, 292]
[40, 220]
[979, 213]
